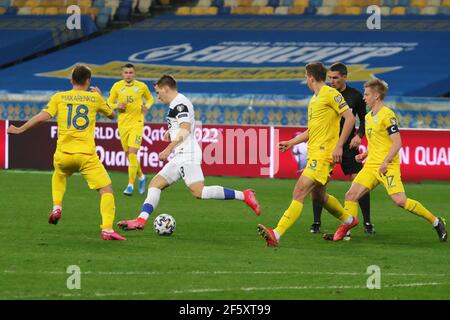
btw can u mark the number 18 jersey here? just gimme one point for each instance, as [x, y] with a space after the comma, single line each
[76, 111]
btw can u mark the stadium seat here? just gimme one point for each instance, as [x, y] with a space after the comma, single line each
[325, 11]
[244, 10]
[144, 6]
[24, 11]
[398, 11]
[385, 11]
[230, 3]
[429, 11]
[301, 3]
[265, 10]
[19, 3]
[345, 3]
[211, 11]
[433, 3]
[102, 20]
[260, 3]
[204, 3]
[296, 10]
[412, 10]
[38, 11]
[329, 3]
[183, 11]
[446, 3]
[244, 3]
[353, 11]
[444, 10]
[51, 11]
[274, 3]
[419, 3]
[281, 10]
[2, 10]
[32, 3]
[11, 11]
[366, 3]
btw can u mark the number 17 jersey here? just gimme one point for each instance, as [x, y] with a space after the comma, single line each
[76, 111]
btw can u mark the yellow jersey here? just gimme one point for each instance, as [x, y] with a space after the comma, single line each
[324, 112]
[133, 94]
[379, 127]
[76, 111]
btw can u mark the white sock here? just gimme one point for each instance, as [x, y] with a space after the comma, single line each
[436, 222]
[108, 230]
[131, 185]
[57, 207]
[221, 193]
[150, 203]
[142, 177]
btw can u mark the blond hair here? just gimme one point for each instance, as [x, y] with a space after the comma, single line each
[379, 86]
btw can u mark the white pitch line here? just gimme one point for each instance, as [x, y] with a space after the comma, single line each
[210, 290]
[224, 272]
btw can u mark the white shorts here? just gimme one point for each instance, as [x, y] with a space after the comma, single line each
[190, 171]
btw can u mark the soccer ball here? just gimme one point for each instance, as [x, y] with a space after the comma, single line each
[164, 224]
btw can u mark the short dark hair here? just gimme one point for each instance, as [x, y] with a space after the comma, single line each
[339, 67]
[81, 74]
[166, 80]
[317, 70]
[128, 65]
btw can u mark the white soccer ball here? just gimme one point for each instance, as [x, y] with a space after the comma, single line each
[164, 224]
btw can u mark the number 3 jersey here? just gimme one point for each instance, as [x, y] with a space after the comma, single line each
[76, 111]
[181, 111]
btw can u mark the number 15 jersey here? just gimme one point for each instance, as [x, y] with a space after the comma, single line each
[76, 111]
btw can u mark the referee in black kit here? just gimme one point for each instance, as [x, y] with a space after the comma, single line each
[337, 74]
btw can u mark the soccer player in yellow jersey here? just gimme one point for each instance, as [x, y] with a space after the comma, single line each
[127, 96]
[76, 110]
[325, 147]
[383, 162]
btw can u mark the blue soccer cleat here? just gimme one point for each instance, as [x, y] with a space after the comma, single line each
[142, 184]
[128, 191]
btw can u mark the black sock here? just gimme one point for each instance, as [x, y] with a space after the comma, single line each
[317, 209]
[364, 204]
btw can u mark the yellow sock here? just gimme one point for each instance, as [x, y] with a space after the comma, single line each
[418, 209]
[132, 168]
[334, 207]
[107, 210]
[289, 217]
[58, 188]
[351, 208]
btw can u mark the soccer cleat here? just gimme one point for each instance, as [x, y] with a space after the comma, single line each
[136, 224]
[112, 236]
[251, 201]
[368, 228]
[341, 232]
[142, 184]
[315, 227]
[268, 235]
[441, 231]
[54, 217]
[128, 191]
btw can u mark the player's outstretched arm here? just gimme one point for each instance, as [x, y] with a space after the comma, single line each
[33, 122]
[286, 145]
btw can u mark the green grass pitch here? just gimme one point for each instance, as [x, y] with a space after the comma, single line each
[215, 252]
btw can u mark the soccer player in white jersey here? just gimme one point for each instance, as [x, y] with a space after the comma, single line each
[186, 163]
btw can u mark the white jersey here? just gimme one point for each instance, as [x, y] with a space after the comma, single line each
[181, 110]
